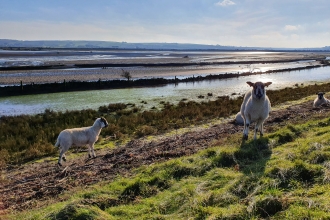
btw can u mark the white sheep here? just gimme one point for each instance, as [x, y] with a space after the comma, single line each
[320, 100]
[239, 119]
[255, 108]
[80, 137]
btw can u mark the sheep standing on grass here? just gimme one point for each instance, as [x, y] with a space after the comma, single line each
[320, 100]
[80, 137]
[255, 108]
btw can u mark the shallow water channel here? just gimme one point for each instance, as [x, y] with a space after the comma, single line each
[152, 96]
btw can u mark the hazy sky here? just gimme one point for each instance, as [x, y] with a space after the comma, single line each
[261, 23]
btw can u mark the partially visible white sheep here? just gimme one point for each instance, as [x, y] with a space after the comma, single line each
[255, 108]
[80, 137]
[320, 100]
[239, 119]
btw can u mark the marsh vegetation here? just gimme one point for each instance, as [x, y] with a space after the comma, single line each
[27, 137]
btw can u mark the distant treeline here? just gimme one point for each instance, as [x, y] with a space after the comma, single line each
[69, 86]
[106, 45]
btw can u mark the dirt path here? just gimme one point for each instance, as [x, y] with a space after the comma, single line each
[26, 184]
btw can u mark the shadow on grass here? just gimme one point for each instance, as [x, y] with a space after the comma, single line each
[251, 158]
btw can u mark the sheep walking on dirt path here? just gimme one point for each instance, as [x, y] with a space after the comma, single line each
[80, 137]
[255, 108]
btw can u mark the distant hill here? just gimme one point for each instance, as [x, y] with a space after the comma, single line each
[8, 43]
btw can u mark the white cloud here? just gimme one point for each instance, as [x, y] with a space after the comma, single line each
[295, 36]
[225, 3]
[291, 27]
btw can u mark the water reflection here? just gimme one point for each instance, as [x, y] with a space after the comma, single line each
[33, 104]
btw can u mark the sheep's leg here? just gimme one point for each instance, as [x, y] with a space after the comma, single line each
[246, 129]
[91, 150]
[61, 156]
[259, 127]
[262, 129]
[256, 129]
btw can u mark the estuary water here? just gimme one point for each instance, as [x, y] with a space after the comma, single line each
[152, 96]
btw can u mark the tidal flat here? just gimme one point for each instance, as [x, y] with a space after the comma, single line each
[52, 66]
[59, 66]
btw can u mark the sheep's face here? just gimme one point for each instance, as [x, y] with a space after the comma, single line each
[320, 95]
[104, 122]
[258, 91]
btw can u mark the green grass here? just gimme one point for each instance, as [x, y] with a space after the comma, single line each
[284, 175]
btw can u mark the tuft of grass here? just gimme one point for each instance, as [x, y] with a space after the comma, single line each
[79, 211]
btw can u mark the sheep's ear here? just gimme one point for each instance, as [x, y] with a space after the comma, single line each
[267, 84]
[250, 83]
[317, 93]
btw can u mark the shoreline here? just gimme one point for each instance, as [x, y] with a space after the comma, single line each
[76, 85]
[151, 65]
[95, 73]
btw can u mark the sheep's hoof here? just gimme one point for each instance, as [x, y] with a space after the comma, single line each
[89, 156]
[63, 158]
[261, 134]
[245, 137]
[59, 164]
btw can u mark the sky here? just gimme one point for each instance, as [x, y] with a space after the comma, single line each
[251, 23]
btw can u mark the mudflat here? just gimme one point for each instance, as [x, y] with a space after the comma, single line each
[57, 66]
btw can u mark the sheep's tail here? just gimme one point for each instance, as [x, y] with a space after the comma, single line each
[57, 144]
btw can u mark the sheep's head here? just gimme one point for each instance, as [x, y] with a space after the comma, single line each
[259, 89]
[103, 122]
[320, 95]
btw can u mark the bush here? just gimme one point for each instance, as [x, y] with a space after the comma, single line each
[4, 157]
[144, 130]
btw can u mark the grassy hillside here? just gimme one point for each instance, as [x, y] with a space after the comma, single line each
[284, 175]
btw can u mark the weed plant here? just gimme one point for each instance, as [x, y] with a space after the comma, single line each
[28, 137]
